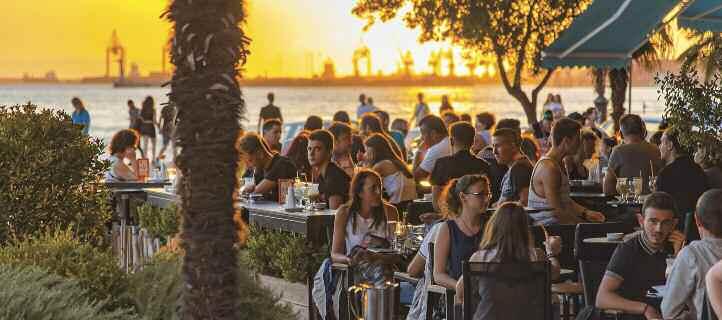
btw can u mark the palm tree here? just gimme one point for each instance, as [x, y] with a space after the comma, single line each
[705, 52]
[208, 46]
[648, 56]
[600, 84]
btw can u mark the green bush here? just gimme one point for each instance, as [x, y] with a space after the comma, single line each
[30, 293]
[159, 222]
[96, 270]
[283, 254]
[49, 173]
[156, 291]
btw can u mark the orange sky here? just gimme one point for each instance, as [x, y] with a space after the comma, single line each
[70, 37]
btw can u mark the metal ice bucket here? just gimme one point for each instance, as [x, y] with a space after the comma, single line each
[377, 302]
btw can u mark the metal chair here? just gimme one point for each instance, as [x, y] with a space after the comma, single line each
[436, 292]
[507, 290]
[345, 272]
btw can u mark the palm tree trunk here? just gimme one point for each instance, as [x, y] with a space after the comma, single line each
[618, 83]
[599, 76]
[208, 46]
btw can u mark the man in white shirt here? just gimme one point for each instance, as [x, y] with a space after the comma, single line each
[436, 144]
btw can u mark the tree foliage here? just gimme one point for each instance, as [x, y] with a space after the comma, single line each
[513, 31]
[49, 174]
[705, 53]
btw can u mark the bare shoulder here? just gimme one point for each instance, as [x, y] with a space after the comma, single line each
[342, 212]
[384, 167]
[391, 212]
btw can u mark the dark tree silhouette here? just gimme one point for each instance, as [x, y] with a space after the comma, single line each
[208, 46]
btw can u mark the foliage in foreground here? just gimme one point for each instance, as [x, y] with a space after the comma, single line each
[30, 293]
[60, 253]
[282, 254]
[159, 222]
[48, 175]
[693, 106]
[157, 290]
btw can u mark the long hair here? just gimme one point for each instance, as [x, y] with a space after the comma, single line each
[147, 110]
[354, 203]
[508, 232]
[383, 151]
[450, 202]
[372, 122]
[298, 153]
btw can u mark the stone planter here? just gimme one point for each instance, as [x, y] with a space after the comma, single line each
[293, 293]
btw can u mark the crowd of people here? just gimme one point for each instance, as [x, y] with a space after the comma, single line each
[369, 171]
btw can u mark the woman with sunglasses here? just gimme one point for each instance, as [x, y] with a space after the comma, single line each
[464, 203]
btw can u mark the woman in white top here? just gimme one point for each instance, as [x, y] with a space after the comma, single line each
[122, 148]
[398, 180]
[366, 213]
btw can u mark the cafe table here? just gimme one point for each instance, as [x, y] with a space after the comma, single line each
[602, 240]
[122, 192]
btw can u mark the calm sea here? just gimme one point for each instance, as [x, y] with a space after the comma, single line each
[108, 110]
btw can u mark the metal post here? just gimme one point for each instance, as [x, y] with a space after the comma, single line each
[629, 109]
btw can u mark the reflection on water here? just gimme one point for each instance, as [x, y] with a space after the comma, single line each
[108, 109]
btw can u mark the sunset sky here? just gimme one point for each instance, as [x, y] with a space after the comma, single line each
[70, 37]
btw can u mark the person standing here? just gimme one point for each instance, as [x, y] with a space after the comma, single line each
[363, 107]
[420, 111]
[147, 125]
[270, 111]
[81, 116]
[445, 105]
[133, 116]
[167, 128]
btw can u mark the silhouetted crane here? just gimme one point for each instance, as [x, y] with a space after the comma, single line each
[115, 50]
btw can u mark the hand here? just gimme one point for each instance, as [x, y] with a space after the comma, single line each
[428, 218]
[459, 295]
[248, 189]
[553, 245]
[595, 216]
[651, 312]
[677, 239]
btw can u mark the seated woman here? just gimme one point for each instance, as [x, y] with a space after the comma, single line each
[370, 124]
[122, 148]
[364, 217]
[508, 238]
[298, 154]
[578, 165]
[464, 202]
[398, 180]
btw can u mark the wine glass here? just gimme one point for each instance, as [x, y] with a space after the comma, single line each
[622, 188]
[652, 184]
[637, 186]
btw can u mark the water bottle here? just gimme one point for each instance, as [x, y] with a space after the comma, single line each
[290, 198]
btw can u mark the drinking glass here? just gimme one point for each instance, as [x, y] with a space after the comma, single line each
[622, 188]
[652, 184]
[637, 186]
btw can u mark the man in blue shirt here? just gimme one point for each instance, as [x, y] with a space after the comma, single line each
[80, 115]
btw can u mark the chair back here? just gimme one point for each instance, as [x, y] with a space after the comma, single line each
[593, 258]
[496, 291]
[566, 233]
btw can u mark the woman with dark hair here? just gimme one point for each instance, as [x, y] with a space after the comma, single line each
[370, 124]
[508, 238]
[313, 123]
[122, 147]
[363, 219]
[298, 153]
[464, 204]
[148, 122]
[398, 180]
[342, 116]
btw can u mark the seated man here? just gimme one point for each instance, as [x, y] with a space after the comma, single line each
[549, 187]
[435, 137]
[633, 156]
[342, 147]
[640, 262]
[333, 182]
[685, 284]
[272, 130]
[515, 184]
[461, 163]
[679, 171]
[268, 166]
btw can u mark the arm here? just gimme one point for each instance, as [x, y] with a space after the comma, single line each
[551, 184]
[441, 256]
[416, 267]
[335, 201]
[436, 194]
[607, 298]
[681, 286]
[714, 288]
[524, 196]
[338, 244]
[265, 186]
[125, 172]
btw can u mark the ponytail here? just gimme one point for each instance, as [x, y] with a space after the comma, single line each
[450, 201]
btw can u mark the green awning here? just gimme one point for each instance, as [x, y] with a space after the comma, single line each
[702, 15]
[607, 33]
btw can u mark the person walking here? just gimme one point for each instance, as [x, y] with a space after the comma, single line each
[270, 111]
[81, 116]
[148, 123]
